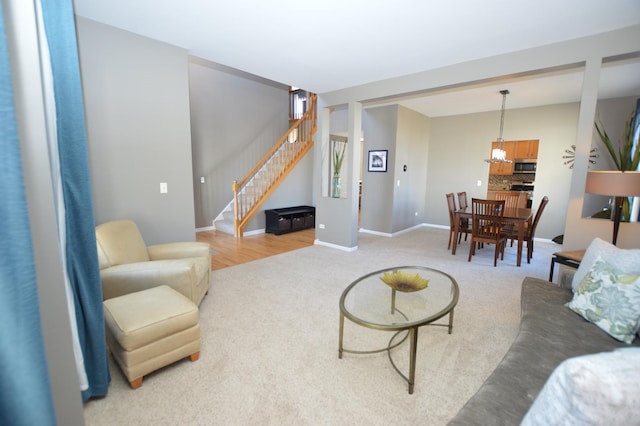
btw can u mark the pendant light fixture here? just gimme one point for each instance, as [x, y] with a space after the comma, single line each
[499, 155]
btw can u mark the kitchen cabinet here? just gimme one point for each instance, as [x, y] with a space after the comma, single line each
[503, 168]
[526, 149]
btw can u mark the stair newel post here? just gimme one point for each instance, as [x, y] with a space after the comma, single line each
[236, 220]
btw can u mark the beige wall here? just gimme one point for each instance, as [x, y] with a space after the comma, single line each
[459, 144]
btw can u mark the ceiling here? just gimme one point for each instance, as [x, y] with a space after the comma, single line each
[327, 45]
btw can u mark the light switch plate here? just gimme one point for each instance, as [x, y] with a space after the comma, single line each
[163, 187]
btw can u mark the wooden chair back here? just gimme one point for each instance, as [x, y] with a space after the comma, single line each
[530, 230]
[536, 219]
[451, 204]
[462, 200]
[487, 219]
[463, 226]
[511, 199]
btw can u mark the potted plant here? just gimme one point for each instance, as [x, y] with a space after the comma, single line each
[627, 156]
[339, 149]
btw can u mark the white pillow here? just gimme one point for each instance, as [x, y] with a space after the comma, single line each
[610, 300]
[596, 389]
[626, 261]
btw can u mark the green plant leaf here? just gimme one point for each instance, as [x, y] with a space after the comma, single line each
[607, 143]
[339, 149]
[626, 157]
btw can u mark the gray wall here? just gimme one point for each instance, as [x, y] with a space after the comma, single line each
[154, 115]
[337, 218]
[380, 126]
[235, 118]
[390, 200]
[137, 107]
[412, 145]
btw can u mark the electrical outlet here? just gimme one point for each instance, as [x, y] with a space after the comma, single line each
[321, 225]
[202, 179]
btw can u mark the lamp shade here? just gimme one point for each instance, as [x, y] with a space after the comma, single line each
[614, 183]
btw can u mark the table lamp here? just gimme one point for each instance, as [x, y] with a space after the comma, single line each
[614, 183]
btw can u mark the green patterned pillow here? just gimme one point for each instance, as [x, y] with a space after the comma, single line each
[610, 300]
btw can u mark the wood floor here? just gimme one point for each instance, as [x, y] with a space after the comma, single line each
[234, 251]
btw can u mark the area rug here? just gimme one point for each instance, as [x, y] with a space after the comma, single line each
[270, 342]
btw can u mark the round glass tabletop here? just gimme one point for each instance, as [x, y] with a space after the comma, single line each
[400, 302]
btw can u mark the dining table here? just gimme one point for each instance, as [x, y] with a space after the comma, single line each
[520, 217]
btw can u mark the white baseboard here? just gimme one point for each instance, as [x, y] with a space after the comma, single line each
[213, 228]
[386, 234]
[433, 225]
[335, 246]
[369, 231]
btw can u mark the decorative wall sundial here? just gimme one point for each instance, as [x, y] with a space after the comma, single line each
[571, 155]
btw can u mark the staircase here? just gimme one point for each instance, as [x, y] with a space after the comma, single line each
[250, 193]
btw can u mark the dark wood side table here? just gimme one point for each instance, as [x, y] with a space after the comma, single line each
[567, 258]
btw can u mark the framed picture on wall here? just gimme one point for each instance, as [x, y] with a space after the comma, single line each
[378, 161]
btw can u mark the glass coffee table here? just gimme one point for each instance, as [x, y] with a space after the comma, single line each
[400, 305]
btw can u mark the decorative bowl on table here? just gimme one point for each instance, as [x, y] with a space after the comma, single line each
[403, 281]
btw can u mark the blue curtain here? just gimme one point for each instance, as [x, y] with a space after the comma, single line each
[25, 391]
[79, 238]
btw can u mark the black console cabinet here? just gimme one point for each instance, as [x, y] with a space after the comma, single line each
[289, 219]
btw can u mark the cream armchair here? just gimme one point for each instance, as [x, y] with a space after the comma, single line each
[128, 265]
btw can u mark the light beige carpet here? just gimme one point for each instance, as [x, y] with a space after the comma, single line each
[270, 343]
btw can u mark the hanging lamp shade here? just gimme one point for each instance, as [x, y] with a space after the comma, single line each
[499, 155]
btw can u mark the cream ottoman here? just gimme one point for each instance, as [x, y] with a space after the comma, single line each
[150, 329]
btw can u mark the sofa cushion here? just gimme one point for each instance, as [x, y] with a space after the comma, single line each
[120, 242]
[138, 319]
[597, 389]
[626, 260]
[610, 300]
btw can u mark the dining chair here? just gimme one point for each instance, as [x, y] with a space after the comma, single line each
[462, 200]
[529, 231]
[511, 198]
[486, 226]
[463, 227]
